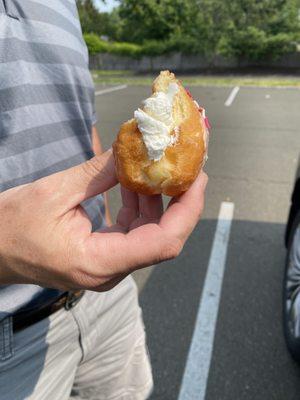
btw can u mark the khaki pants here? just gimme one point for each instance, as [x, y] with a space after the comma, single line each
[94, 351]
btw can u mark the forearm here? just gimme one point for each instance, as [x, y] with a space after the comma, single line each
[97, 147]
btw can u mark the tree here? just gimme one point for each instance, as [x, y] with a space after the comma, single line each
[245, 29]
[90, 17]
[242, 28]
[113, 25]
[94, 21]
[260, 28]
[156, 19]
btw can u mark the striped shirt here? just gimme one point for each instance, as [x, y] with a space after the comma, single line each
[46, 108]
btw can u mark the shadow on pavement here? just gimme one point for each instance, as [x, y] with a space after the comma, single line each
[250, 360]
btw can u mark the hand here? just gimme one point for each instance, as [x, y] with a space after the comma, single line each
[46, 236]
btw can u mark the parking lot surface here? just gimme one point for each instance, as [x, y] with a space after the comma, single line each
[253, 154]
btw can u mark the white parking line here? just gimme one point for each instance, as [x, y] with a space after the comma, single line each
[112, 89]
[232, 96]
[193, 386]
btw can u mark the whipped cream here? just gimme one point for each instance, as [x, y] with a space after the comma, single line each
[155, 122]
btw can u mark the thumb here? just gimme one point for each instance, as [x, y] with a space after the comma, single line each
[86, 180]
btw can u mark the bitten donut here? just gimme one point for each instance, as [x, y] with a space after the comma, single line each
[163, 148]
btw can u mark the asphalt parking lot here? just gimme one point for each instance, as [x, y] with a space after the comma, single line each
[253, 154]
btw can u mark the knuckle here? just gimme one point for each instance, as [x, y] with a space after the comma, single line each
[40, 189]
[94, 168]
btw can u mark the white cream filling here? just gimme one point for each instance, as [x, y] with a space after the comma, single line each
[156, 123]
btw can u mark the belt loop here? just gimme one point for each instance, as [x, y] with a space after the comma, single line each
[72, 299]
[6, 339]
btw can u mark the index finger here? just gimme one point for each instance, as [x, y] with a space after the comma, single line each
[86, 180]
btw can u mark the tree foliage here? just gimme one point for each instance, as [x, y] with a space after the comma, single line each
[156, 20]
[257, 29]
[94, 21]
[246, 29]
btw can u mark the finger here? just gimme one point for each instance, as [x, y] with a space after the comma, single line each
[86, 180]
[113, 228]
[184, 211]
[129, 199]
[150, 210]
[151, 207]
[124, 253]
[130, 208]
[151, 243]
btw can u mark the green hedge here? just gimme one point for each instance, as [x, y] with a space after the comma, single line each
[125, 49]
[96, 45]
[252, 44]
[149, 48]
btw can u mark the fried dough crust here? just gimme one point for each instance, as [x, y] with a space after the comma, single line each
[174, 173]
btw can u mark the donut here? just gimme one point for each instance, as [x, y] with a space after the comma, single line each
[163, 148]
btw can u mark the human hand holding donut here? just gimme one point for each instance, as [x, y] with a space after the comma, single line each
[46, 237]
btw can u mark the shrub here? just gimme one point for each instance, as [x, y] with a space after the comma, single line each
[255, 44]
[184, 44]
[175, 44]
[125, 49]
[249, 44]
[95, 44]
[280, 44]
[153, 48]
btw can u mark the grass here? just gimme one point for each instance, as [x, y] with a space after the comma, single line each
[128, 77]
[103, 73]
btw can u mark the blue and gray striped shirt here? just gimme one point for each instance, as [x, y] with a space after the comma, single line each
[46, 108]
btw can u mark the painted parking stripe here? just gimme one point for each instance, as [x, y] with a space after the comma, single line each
[193, 386]
[232, 96]
[109, 90]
